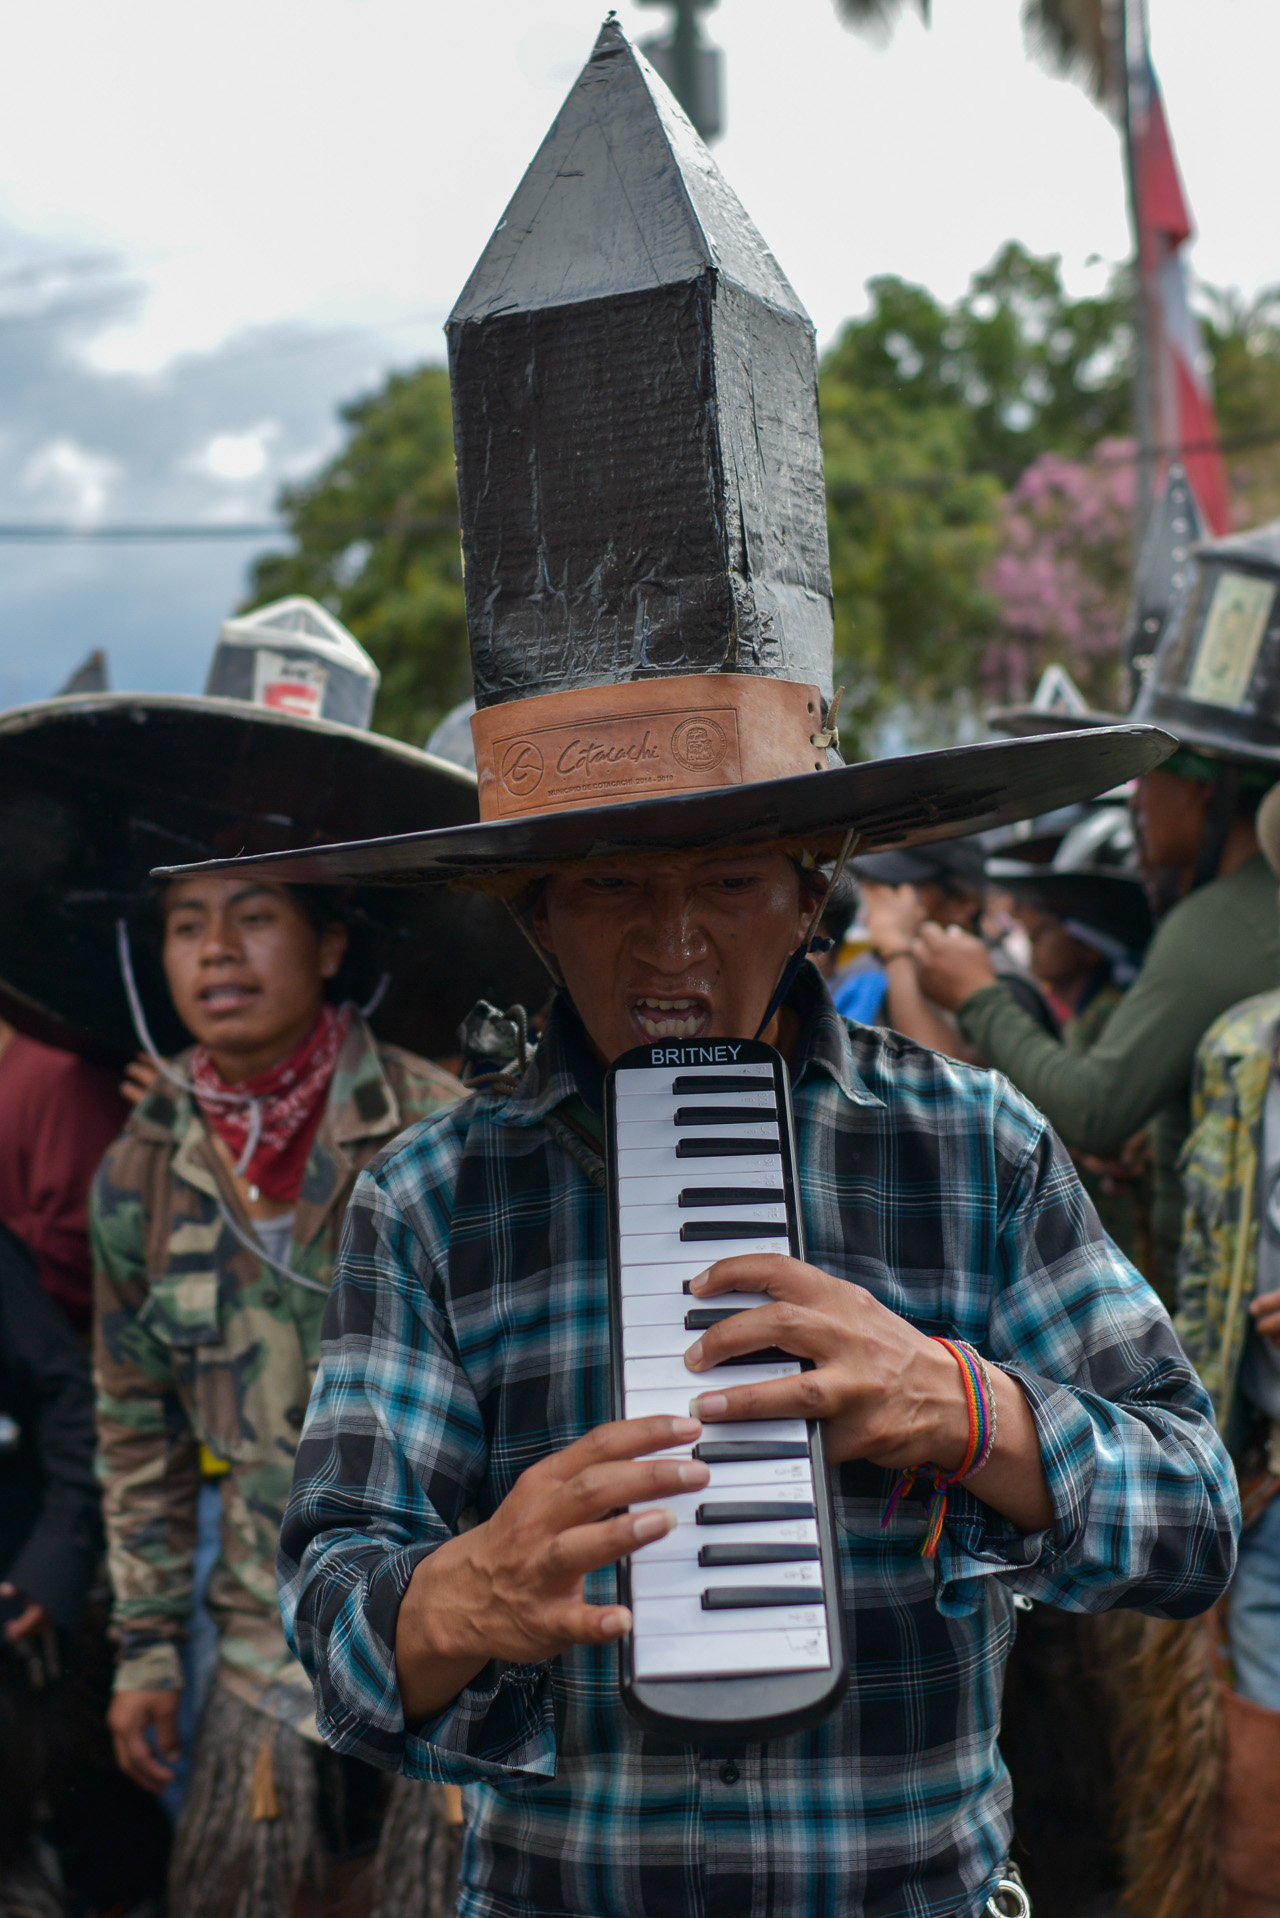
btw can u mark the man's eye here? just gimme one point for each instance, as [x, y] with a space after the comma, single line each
[737, 882]
[606, 882]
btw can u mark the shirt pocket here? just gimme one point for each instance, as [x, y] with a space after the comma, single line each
[183, 1313]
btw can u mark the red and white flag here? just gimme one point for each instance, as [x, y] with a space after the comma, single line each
[1186, 425]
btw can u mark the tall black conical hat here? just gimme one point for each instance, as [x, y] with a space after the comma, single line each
[635, 416]
[640, 478]
[1215, 678]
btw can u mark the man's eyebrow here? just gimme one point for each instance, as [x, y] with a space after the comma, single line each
[202, 905]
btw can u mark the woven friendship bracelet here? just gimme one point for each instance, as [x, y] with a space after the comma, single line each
[982, 1431]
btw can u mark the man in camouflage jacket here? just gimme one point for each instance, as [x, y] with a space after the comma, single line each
[202, 1345]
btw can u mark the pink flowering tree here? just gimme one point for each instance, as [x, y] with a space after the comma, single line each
[1061, 576]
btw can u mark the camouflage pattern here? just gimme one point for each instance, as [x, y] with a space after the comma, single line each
[202, 1345]
[1217, 1264]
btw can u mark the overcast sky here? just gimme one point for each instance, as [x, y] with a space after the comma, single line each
[217, 223]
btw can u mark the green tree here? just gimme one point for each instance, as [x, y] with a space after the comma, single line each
[376, 540]
[1242, 338]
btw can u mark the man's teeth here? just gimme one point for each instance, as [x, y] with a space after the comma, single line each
[669, 1018]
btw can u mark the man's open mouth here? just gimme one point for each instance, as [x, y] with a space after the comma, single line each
[671, 1018]
[226, 998]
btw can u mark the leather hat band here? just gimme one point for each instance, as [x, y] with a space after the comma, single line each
[643, 739]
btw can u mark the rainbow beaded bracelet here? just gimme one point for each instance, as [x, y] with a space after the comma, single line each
[982, 1436]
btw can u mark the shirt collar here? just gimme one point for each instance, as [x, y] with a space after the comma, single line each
[563, 1066]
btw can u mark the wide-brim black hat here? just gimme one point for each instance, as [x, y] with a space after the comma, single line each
[1114, 904]
[96, 790]
[908, 801]
[644, 531]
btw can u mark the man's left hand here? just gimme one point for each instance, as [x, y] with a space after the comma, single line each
[951, 965]
[1266, 1316]
[884, 1391]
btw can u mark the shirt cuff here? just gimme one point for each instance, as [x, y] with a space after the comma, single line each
[978, 1543]
[152, 1668]
[500, 1726]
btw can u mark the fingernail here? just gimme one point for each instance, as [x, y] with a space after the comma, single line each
[652, 1525]
[615, 1625]
[693, 1357]
[696, 1285]
[686, 1428]
[710, 1406]
[693, 1473]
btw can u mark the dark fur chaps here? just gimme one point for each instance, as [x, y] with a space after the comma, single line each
[268, 1813]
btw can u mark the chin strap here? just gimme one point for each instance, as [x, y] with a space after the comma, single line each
[791, 971]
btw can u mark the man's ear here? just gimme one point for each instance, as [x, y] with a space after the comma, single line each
[333, 949]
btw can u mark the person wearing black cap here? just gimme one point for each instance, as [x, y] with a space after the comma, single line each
[1215, 684]
[649, 609]
[942, 885]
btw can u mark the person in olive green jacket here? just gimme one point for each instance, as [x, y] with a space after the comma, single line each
[1218, 945]
[215, 1222]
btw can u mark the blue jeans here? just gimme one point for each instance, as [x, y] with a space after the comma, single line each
[200, 1652]
[1253, 1611]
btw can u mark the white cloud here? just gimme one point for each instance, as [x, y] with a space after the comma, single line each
[235, 457]
[72, 480]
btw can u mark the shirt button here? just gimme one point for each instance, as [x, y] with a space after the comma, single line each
[729, 1773]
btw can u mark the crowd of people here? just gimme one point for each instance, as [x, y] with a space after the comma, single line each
[313, 1479]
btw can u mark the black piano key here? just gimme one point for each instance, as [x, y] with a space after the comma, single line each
[718, 1082]
[752, 1511]
[767, 1355]
[726, 1115]
[727, 1148]
[712, 1555]
[747, 1451]
[709, 1315]
[731, 1195]
[707, 1231]
[741, 1598]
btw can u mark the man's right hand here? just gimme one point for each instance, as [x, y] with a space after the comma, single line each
[130, 1717]
[512, 1588]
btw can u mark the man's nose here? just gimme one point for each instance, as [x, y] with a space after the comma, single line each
[220, 940]
[669, 935]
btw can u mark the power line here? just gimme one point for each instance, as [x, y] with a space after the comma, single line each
[46, 531]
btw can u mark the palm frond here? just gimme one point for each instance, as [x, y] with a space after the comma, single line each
[877, 18]
[1080, 39]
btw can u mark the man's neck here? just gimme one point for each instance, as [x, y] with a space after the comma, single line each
[235, 1067]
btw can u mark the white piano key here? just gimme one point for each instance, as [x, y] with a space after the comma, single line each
[665, 1248]
[685, 1504]
[637, 1102]
[681, 1578]
[669, 1217]
[685, 1541]
[685, 1614]
[662, 1078]
[663, 1189]
[669, 1373]
[639, 1280]
[660, 1341]
[637, 1134]
[651, 1162]
[674, 1403]
[746, 1428]
[667, 1304]
[717, 1653]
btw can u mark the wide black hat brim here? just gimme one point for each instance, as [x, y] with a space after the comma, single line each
[1113, 902]
[905, 801]
[97, 790]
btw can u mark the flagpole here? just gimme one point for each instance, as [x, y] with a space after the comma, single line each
[1133, 54]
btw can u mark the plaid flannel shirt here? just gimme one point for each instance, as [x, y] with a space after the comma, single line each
[467, 1336]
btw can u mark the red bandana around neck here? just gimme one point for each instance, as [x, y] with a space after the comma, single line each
[287, 1104]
